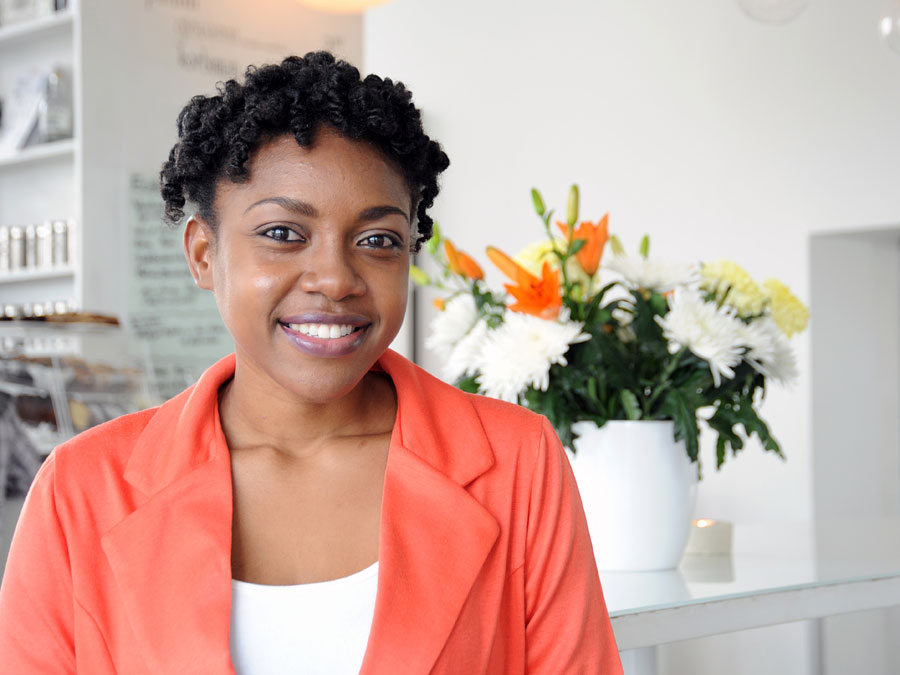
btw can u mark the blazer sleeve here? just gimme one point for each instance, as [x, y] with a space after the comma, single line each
[567, 628]
[36, 599]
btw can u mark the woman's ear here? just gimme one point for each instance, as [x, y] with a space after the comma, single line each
[198, 249]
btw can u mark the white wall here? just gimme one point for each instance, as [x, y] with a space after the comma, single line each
[856, 422]
[718, 135]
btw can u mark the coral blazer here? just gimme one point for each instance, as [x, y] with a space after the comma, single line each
[121, 560]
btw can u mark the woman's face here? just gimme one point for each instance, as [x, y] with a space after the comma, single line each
[310, 262]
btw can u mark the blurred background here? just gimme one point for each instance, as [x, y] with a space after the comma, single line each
[764, 132]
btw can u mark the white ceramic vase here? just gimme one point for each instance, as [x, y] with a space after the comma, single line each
[638, 488]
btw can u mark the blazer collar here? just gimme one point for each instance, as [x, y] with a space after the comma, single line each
[181, 435]
[434, 418]
[171, 556]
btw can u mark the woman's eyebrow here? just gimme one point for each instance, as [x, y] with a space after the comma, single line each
[289, 203]
[378, 212]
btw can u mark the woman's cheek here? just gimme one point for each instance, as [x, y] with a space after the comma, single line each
[266, 283]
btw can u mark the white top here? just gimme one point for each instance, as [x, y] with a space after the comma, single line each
[314, 629]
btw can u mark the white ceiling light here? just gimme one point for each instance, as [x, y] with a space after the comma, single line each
[342, 6]
[889, 25]
[773, 11]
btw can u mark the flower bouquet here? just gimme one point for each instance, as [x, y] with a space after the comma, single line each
[657, 340]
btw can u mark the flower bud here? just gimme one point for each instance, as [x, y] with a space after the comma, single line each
[572, 211]
[432, 244]
[616, 245]
[645, 246]
[419, 276]
[538, 202]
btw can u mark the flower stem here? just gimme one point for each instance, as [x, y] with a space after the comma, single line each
[666, 374]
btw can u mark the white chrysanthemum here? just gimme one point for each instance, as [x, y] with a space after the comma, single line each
[656, 275]
[520, 352]
[626, 334]
[452, 324]
[783, 367]
[465, 356]
[768, 351]
[711, 333]
[625, 331]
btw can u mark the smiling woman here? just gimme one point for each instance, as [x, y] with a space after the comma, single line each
[308, 261]
[315, 503]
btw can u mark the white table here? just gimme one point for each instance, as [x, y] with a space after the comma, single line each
[776, 574]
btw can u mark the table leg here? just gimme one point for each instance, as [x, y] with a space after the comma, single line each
[639, 661]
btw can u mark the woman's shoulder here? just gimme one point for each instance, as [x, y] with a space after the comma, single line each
[111, 441]
[496, 416]
[499, 415]
[117, 437]
[510, 429]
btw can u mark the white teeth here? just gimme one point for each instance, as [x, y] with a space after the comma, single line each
[327, 331]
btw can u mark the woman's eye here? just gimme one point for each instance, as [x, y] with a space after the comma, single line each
[381, 241]
[282, 233]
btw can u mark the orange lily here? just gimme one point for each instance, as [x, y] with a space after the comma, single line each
[509, 267]
[462, 264]
[595, 237]
[439, 303]
[536, 296]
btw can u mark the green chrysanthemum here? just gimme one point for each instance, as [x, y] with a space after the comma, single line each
[733, 286]
[791, 315]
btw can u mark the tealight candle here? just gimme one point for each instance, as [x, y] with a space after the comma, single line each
[709, 537]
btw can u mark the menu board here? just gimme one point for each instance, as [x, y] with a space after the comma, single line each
[178, 321]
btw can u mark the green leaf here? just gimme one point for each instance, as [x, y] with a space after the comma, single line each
[432, 244]
[538, 202]
[658, 304]
[592, 390]
[720, 451]
[577, 245]
[646, 328]
[419, 276]
[723, 422]
[685, 419]
[469, 384]
[753, 424]
[631, 404]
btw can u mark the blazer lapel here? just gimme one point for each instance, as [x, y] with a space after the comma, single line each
[171, 557]
[435, 537]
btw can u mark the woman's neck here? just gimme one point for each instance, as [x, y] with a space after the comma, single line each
[259, 414]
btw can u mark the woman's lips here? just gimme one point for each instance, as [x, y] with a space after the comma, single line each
[326, 347]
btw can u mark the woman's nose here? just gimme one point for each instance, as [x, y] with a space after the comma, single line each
[331, 273]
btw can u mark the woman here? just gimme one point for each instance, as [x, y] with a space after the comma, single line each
[315, 502]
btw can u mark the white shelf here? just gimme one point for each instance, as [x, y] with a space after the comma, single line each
[38, 153]
[778, 573]
[34, 328]
[28, 29]
[36, 275]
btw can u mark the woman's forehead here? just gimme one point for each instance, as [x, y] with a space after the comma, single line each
[332, 166]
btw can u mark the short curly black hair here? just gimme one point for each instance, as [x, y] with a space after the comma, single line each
[217, 135]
